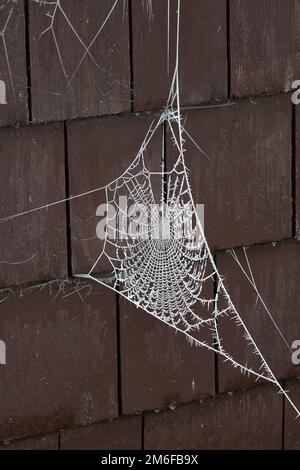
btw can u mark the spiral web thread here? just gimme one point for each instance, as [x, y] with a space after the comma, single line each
[169, 277]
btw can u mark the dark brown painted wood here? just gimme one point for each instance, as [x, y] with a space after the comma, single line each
[276, 271]
[296, 39]
[241, 421]
[13, 63]
[99, 152]
[67, 81]
[160, 368]
[61, 366]
[33, 246]
[262, 46]
[120, 434]
[203, 63]
[245, 185]
[291, 424]
[46, 442]
[60, 369]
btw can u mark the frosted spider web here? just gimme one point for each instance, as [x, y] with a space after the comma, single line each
[54, 9]
[170, 277]
[159, 272]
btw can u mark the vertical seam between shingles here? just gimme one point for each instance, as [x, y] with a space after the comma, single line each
[130, 41]
[119, 362]
[293, 172]
[228, 37]
[28, 59]
[68, 211]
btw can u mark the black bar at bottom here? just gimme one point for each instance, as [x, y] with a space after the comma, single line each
[134, 459]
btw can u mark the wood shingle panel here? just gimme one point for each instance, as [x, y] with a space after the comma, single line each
[203, 56]
[120, 434]
[240, 421]
[100, 150]
[261, 46]
[61, 365]
[43, 442]
[276, 271]
[244, 180]
[79, 61]
[33, 246]
[159, 367]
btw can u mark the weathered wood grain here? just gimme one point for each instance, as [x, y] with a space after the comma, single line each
[33, 246]
[61, 359]
[44, 442]
[119, 434]
[176, 372]
[276, 271]
[261, 46]
[100, 150]
[78, 68]
[244, 181]
[241, 421]
[203, 60]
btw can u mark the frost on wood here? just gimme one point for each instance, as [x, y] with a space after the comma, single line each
[61, 289]
[57, 8]
[57, 15]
